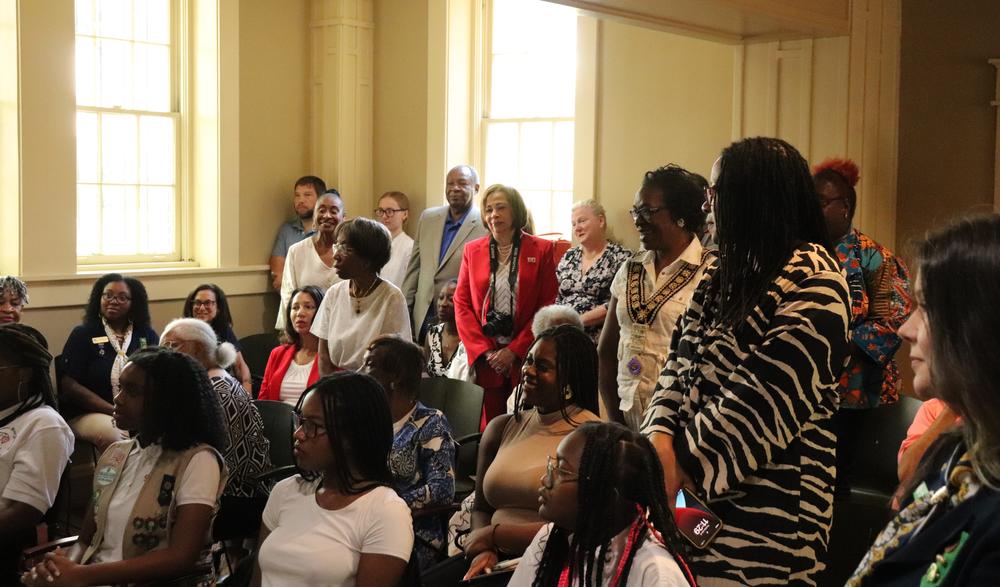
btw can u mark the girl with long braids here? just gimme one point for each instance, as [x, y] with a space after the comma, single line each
[603, 496]
[155, 494]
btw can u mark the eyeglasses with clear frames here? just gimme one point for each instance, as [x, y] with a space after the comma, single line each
[388, 212]
[309, 428]
[552, 467]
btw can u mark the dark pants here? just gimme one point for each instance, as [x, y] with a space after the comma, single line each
[848, 425]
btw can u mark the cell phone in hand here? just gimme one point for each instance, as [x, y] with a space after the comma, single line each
[695, 521]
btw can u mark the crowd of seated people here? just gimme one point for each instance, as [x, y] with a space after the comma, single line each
[741, 370]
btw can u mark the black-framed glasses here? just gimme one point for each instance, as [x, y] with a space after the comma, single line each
[121, 298]
[388, 212]
[552, 467]
[203, 303]
[644, 212]
[309, 428]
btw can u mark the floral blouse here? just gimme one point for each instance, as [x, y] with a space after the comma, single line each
[437, 365]
[584, 292]
[422, 462]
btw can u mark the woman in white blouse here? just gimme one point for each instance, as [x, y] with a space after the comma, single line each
[363, 306]
[292, 367]
[310, 261]
[393, 210]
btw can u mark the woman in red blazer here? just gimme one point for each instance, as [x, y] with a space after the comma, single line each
[292, 367]
[505, 278]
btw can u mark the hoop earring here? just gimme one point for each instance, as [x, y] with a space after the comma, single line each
[680, 222]
[567, 392]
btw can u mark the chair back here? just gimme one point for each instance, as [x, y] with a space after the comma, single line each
[561, 245]
[462, 404]
[256, 349]
[279, 425]
[878, 446]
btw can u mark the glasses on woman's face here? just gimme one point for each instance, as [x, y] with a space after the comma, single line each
[644, 212]
[388, 212]
[343, 249]
[170, 344]
[552, 468]
[203, 303]
[309, 428]
[121, 298]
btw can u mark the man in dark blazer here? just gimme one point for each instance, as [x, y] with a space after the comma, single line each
[441, 232]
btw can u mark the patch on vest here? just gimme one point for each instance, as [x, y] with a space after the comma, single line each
[166, 491]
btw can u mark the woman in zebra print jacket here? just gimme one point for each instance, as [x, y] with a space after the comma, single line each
[742, 412]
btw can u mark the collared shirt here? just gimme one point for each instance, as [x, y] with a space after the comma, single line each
[451, 227]
[290, 233]
[642, 350]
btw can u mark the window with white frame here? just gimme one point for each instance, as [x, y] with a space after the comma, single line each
[127, 129]
[529, 106]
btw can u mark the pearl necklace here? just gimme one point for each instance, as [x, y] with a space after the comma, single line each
[358, 297]
[505, 253]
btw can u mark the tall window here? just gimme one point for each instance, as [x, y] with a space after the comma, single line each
[127, 122]
[530, 104]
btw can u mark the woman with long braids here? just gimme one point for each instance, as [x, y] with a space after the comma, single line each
[35, 442]
[154, 495]
[743, 410]
[947, 532]
[603, 496]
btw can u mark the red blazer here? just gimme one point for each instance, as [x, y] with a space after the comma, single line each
[536, 288]
[274, 372]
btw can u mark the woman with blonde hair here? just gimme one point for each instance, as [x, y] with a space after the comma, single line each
[392, 211]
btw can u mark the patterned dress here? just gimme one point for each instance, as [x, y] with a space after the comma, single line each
[422, 462]
[247, 454]
[584, 292]
[750, 411]
[880, 303]
[437, 365]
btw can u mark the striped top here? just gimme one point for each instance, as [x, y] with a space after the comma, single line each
[750, 411]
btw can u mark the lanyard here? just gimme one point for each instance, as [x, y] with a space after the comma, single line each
[511, 274]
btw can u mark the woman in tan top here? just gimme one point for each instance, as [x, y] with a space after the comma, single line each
[559, 379]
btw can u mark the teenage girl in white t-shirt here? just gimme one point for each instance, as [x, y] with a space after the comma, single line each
[338, 523]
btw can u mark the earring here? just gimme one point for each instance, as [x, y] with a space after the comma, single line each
[567, 392]
[680, 222]
[20, 384]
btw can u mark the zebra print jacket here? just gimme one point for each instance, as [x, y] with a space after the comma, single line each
[750, 411]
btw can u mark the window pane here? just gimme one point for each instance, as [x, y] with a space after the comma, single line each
[151, 80]
[156, 220]
[118, 212]
[152, 21]
[562, 156]
[84, 12]
[562, 203]
[501, 153]
[86, 71]
[541, 211]
[115, 74]
[156, 150]
[114, 18]
[536, 156]
[88, 220]
[87, 148]
[118, 147]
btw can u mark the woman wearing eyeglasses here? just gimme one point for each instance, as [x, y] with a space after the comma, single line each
[208, 303]
[339, 522]
[115, 324]
[651, 290]
[393, 210]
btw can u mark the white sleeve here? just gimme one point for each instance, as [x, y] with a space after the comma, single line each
[200, 482]
[38, 466]
[524, 574]
[390, 528]
[618, 283]
[397, 316]
[320, 326]
[272, 511]
[288, 285]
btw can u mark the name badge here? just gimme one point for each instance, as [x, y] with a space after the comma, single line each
[637, 338]
[100, 339]
[531, 260]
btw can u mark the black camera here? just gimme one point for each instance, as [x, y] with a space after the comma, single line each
[498, 324]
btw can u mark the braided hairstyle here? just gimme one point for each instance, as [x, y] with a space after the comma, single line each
[26, 347]
[619, 470]
[576, 368]
[180, 407]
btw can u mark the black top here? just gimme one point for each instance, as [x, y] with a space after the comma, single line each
[90, 362]
[230, 337]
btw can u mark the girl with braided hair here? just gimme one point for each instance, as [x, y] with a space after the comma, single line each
[35, 441]
[603, 496]
[154, 495]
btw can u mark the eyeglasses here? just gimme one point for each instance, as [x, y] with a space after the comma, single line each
[824, 203]
[171, 344]
[388, 212]
[120, 298]
[309, 428]
[342, 249]
[552, 467]
[645, 212]
[203, 303]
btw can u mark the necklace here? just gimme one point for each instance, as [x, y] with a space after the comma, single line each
[357, 297]
[505, 253]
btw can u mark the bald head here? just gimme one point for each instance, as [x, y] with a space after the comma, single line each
[461, 187]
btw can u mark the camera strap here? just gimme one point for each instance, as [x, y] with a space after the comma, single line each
[511, 274]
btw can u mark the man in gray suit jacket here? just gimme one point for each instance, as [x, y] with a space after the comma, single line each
[441, 234]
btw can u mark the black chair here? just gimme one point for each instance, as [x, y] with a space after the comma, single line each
[279, 425]
[858, 519]
[256, 349]
[462, 403]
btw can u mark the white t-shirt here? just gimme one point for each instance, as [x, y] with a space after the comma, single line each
[295, 382]
[198, 485]
[309, 545]
[303, 267]
[348, 333]
[34, 451]
[652, 565]
[395, 270]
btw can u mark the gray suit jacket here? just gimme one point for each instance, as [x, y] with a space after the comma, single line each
[424, 275]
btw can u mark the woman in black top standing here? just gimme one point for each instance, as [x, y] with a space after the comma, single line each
[115, 324]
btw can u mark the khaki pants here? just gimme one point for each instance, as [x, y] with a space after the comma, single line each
[633, 417]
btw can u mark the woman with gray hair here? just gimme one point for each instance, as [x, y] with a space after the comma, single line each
[247, 454]
[585, 272]
[13, 297]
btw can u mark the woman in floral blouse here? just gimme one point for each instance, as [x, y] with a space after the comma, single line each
[586, 270]
[423, 451]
